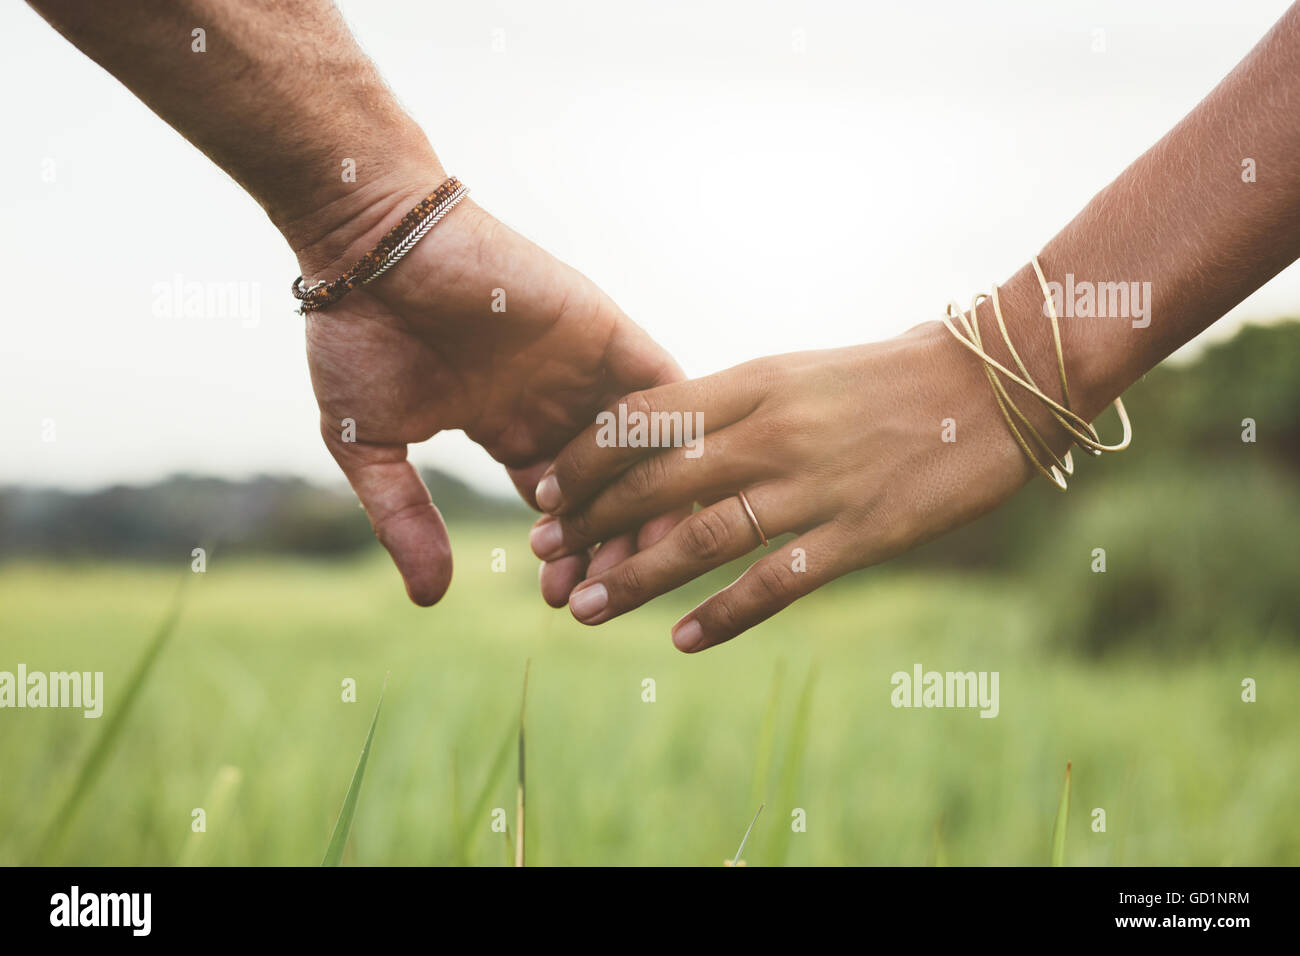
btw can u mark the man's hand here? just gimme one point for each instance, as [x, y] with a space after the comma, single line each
[477, 329]
[279, 95]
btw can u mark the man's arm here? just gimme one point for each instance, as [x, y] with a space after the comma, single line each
[279, 97]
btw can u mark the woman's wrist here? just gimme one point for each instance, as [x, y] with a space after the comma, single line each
[1093, 378]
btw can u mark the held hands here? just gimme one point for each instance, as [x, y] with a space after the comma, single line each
[424, 350]
[844, 449]
[841, 448]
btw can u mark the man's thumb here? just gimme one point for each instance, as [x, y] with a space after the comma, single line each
[402, 514]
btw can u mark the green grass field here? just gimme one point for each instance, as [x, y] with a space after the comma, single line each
[1186, 772]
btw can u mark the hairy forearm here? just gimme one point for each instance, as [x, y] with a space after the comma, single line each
[1183, 219]
[280, 97]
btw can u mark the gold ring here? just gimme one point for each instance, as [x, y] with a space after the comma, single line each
[753, 518]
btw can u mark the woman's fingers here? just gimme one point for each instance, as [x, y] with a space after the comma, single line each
[653, 486]
[770, 585]
[559, 577]
[641, 424]
[702, 542]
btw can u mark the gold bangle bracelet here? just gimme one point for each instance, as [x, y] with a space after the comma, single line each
[1082, 433]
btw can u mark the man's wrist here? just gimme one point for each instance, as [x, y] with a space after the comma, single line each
[335, 225]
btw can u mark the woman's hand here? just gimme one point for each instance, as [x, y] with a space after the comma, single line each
[844, 448]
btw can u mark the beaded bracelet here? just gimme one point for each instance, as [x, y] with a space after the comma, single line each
[396, 243]
[1081, 432]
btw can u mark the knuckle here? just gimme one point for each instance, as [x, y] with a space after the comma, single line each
[647, 477]
[638, 402]
[767, 376]
[629, 580]
[383, 522]
[705, 534]
[770, 375]
[570, 469]
[331, 435]
[772, 582]
[579, 525]
[724, 615]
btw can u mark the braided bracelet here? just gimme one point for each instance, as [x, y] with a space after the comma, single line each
[396, 243]
[1081, 432]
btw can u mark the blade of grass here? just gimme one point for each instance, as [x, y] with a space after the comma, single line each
[1062, 822]
[766, 734]
[796, 743]
[94, 762]
[519, 805]
[745, 839]
[343, 825]
[467, 835]
[223, 789]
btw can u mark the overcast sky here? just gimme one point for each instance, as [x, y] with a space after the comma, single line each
[577, 123]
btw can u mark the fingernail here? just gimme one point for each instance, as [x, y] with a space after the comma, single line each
[546, 539]
[687, 637]
[588, 602]
[548, 493]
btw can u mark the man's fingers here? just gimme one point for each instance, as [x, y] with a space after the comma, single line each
[557, 578]
[770, 585]
[401, 513]
[700, 543]
[635, 360]
[614, 551]
[526, 479]
[656, 529]
[640, 424]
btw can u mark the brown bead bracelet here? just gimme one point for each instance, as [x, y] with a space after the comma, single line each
[396, 243]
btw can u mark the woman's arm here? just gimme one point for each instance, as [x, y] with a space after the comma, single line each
[1206, 216]
[845, 448]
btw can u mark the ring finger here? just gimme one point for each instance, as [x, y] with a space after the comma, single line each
[706, 540]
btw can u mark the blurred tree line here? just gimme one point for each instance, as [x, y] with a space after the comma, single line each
[1198, 527]
[264, 515]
